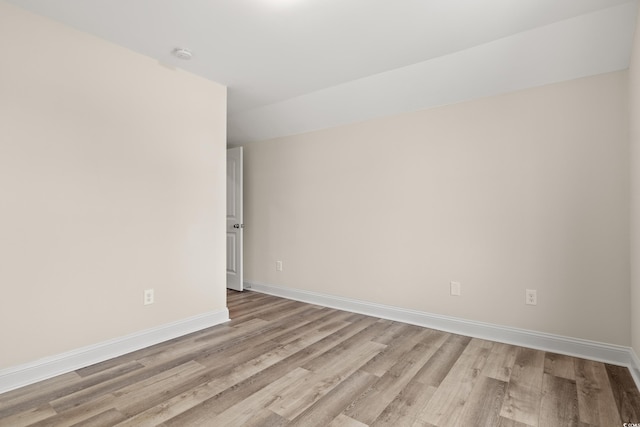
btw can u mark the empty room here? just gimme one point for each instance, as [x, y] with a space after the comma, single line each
[320, 213]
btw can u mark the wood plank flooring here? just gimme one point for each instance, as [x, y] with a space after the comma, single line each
[286, 363]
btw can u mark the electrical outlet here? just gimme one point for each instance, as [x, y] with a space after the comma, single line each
[148, 296]
[455, 288]
[278, 265]
[531, 297]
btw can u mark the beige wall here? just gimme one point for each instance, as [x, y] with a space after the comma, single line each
[634, 114]
[112, 180]
[525, 190]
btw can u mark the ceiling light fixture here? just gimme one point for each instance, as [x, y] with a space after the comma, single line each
[182, 53]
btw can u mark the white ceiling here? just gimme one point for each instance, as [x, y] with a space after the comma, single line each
[292, 66]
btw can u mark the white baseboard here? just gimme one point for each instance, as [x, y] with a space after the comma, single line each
[29, 373]
[607, 353]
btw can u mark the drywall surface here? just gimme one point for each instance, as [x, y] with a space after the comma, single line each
[112, 181]
[634, 115]
[528, 190]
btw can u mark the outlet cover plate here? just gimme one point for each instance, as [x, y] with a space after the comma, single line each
[148, 296]
[455, 288]
[531, 297]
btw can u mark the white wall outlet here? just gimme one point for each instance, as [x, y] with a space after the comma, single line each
[148, 296]
[278, 265]
[531, 297]
[455, 288]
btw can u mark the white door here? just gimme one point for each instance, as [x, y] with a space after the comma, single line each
[234, 218]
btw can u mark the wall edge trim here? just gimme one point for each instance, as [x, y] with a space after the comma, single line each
[634, 367]
[28, 373]
[577, 347]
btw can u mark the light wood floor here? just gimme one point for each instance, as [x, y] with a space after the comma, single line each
[286, 363]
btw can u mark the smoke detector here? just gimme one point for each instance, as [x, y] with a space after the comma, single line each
[182, 53]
